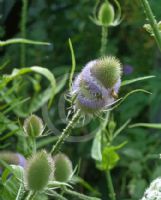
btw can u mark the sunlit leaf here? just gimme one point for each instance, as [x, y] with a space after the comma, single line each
[127, 82]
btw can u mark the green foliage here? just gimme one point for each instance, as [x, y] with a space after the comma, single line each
[11, 183]
[135, 117]
[109, 157]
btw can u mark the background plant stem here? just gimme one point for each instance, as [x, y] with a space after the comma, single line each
[23, 32]
[110, 185]
[78, 195]
[152, 21]
[103, 40]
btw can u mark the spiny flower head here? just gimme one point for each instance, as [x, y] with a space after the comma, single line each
[39, 171]
[107, 70]
[33, 126]
[97, 85]
[106, 13]
[154, 191]
[63, 168]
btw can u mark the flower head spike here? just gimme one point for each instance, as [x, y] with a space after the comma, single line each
[33, 126]
[39, 171]
[97, 85]
[154, 191]
[105, 14]
[63, 168]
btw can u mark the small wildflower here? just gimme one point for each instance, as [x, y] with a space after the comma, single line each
[127, 69]
[154, 191]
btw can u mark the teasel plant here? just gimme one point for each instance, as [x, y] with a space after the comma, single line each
[93, 92]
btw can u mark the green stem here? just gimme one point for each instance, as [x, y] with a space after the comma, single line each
[23, 31]
[21, 41]
[55, 194]
[110, 185]
[31, 195]
[65, 133]
[152, 22]
[103, 40]
[78, 195]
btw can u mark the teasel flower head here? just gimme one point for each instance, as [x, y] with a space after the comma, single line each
[33, 126]
[12, 159]
[107, 14]
[154, 190]
[97, 86]
[63, 168]
[39, 171]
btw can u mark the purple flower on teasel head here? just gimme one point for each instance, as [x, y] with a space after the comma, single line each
[12, 159]
[96, 87]
[21, 160]
[127, 69]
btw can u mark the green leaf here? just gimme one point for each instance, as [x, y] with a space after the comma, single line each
[13, 187]
[127, 82]
[128, 94]
[146, 125]
[61, 83]
[110, 157]
[96, 147]
[73, 64]
[22, 41]
[118, 131]
[43, 71]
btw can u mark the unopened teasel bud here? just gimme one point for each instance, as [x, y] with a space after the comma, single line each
[106, 13]
[63, 168]
[39, 171]
[33, 126]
